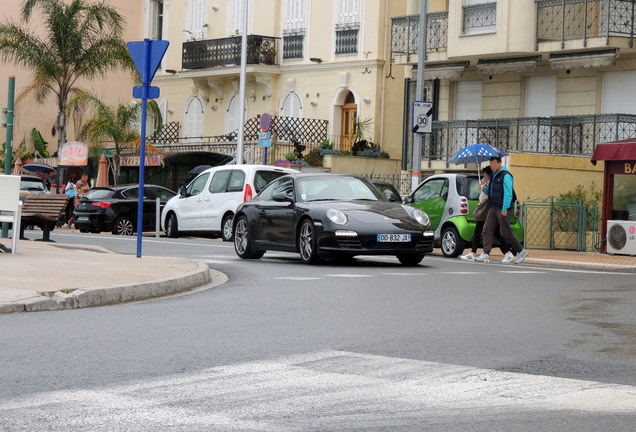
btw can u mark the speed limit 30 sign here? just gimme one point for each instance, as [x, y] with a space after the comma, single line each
[422, 117]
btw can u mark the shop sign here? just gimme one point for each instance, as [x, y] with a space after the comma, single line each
[134, 161]
[73, 153]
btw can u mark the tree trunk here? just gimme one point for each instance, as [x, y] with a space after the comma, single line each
[61, 123]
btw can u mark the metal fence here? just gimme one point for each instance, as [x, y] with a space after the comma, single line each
[561, 20]
[553, 224]
[402, 182]
[562, 135]
[405, 32]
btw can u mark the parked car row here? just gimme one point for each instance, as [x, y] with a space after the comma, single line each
[320, 216]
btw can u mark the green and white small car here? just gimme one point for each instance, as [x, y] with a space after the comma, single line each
[449, 201]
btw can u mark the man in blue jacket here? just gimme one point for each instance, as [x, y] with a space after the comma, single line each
[500, 194]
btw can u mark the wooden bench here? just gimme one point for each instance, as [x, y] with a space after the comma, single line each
[43, 210]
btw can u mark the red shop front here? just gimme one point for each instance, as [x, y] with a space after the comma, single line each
[619, 194]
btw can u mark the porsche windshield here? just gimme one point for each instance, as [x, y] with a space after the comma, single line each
[322, 188]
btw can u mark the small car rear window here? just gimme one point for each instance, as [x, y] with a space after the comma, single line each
[96, 194]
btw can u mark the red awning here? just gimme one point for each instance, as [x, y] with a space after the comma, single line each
[615, 151]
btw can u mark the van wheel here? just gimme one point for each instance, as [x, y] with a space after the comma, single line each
[172, 226]
[226, 228]
[452, 244]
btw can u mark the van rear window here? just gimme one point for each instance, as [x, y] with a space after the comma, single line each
[262, 178]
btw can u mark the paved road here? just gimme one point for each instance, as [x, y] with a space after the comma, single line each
[369, 345]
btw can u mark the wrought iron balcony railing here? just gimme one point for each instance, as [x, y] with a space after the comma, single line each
[480, 17]
[405, 33]
[563, 135]
[227, 51]
[293, 46]
[347, 38]
[562, 20]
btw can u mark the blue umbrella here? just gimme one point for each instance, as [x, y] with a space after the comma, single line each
[476, 153]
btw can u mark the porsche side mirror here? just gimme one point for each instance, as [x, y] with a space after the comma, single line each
[390, 197]
[281, 197]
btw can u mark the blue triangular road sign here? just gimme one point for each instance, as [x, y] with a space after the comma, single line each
[137, 51]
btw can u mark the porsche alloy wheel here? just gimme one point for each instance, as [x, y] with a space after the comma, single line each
[242, 242]
[307, 243]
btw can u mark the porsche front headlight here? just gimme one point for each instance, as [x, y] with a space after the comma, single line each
[336, 216]
[421, 217]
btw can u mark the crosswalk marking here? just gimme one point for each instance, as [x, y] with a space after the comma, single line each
[326, 390]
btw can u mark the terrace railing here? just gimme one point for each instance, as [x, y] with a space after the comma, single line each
[562, 20]
[563, 135]
[227, 52]
[405, 31]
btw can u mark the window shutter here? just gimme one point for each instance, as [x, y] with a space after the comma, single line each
[194, 119]
[237, 17]
[619, 88]
[468, 100]
[154, 18]
[541, 96]
[198, 18]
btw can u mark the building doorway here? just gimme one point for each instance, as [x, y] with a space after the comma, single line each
[349, 115]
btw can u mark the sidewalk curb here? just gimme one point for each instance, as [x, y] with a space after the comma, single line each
[110, 295]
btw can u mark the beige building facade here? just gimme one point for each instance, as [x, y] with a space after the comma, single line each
[114, 89]
[314, 66]
[546, 83]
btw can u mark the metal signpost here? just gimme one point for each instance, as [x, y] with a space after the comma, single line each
[419, 93]
[265, 137]
[8, 151]
[147, 55]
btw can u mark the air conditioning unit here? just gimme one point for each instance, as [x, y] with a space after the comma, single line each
[621, 237]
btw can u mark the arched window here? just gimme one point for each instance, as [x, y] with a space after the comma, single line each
[290, 125]
[194, 119]
[233, 114]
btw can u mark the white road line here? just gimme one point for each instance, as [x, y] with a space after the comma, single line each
[345, 275]
[403, 274]
[297, 278]
[327, 390]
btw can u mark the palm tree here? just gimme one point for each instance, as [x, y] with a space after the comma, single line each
[110, 126]
[82, 40]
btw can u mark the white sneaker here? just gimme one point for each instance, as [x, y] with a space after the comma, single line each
[521, 256]
[483, 258]
[508, 257]
[469, 256]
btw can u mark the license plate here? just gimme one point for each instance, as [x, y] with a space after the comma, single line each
[394, 238]
[82, 218]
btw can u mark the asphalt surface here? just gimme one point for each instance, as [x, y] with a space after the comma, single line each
[45, 276]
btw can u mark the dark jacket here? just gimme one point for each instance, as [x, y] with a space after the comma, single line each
[500, 189]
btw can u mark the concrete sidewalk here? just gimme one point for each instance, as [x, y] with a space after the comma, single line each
[51, 276]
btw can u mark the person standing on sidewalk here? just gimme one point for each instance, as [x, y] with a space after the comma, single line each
[500, 193]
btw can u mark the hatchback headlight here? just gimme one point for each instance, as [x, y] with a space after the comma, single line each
[421, 217]
[336, 216]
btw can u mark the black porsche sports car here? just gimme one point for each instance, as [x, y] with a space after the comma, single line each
[324, 216]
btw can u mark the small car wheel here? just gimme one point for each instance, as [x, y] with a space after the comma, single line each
[124, 226]
[307, 243]
[242, 241]
[410, 259]
[226, 228]
[452, 244]
[172, 226]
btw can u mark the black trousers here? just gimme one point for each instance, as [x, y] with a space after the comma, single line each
[476, 240]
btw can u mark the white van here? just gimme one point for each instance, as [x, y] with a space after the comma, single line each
[208, 203]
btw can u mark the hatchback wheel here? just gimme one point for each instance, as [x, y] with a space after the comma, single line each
[124, 226]
[226, 227]
[452, 244]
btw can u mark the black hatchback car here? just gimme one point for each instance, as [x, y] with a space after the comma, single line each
[114, 208]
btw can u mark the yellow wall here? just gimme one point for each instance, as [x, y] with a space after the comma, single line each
[541, 176]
